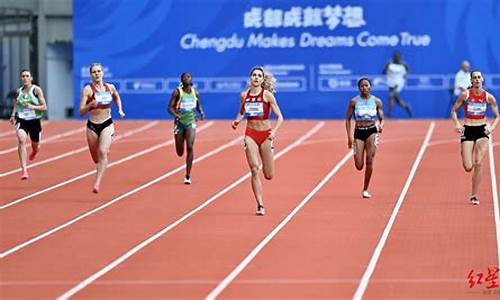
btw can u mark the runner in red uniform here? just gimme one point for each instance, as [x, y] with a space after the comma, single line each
[256, 103]
[475, 130]
[96, 100]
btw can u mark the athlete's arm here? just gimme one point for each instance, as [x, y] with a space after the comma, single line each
[117, 99]
[494, 110]
[198, 106]
[458, 127]
[41, 98]
[348, 117]
[84, 106]
[276, 110]
[173, 103]
[14, 110]
[380, 114]
[241, 113]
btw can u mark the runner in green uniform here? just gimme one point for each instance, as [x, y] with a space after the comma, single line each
[184, 103]
[26, 114]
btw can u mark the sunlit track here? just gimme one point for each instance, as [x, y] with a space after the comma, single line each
[151, 239]
[236, 271]
[160, 238]
[81, 149]
[120, 161]
[494, 192]
[378, 250]
[138, 189]
[47, 140]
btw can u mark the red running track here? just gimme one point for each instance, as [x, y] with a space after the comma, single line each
[69, 239]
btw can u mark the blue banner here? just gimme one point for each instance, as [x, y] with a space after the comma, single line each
[316, 49]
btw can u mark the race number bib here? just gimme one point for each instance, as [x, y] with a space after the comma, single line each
[27, 114]
[476, 108]
[367, 112]
[188, 104]
[254, 109]
[103, 98]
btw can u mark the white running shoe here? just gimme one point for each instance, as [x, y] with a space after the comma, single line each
[260, 210]
[474, 200]
[365, 194]
[187, 180]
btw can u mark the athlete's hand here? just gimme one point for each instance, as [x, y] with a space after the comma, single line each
[349, 142]
[380, 127]
[92, 104]
[460, 129]
[202, 116]
[12, 120]
[235, 123]
[488, 130]
[121, 113]
[272, 135]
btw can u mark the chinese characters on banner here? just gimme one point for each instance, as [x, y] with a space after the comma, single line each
[300, 17]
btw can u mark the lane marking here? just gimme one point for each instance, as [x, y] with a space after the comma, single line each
[383, 239]
[82, 149]
[47, 140]
[120, 161]
[243, 264]
[114, 200]
[159, 234]
[494, 191]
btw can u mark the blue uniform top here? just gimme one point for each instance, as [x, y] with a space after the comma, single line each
[365, 109]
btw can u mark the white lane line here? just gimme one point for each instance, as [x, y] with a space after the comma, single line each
[265, 281]
[236, 271]
[383, 239]
[76, 151]
[494, 191]
[154, 237]
[113, 201]
[45, 141]
[127, 158]
[7, 133]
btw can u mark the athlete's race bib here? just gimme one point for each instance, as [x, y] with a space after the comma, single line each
[254, 109]
[367, 112]
[188, 104]
[103, 98]
[476, 108]
[27, 114]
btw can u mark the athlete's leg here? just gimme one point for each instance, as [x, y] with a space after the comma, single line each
[190, 136]
[359, 152]
[22, 136]
[93, 143]
[401, 102]
[179, 140]
[390, 102]
[480, 149]
[105, 141]
[467, 148]
[252, 154]
[371, 149]
[266, 153]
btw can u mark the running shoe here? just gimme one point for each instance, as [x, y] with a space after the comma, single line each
[25, 175]
[187, 180]
[365, 194]
[260, 210]
[474, 200]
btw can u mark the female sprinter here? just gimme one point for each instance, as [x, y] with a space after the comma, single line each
[26, 114]
[475, 131]
[366, 109]
[259, 135]
[183, 103]
[96, 100]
